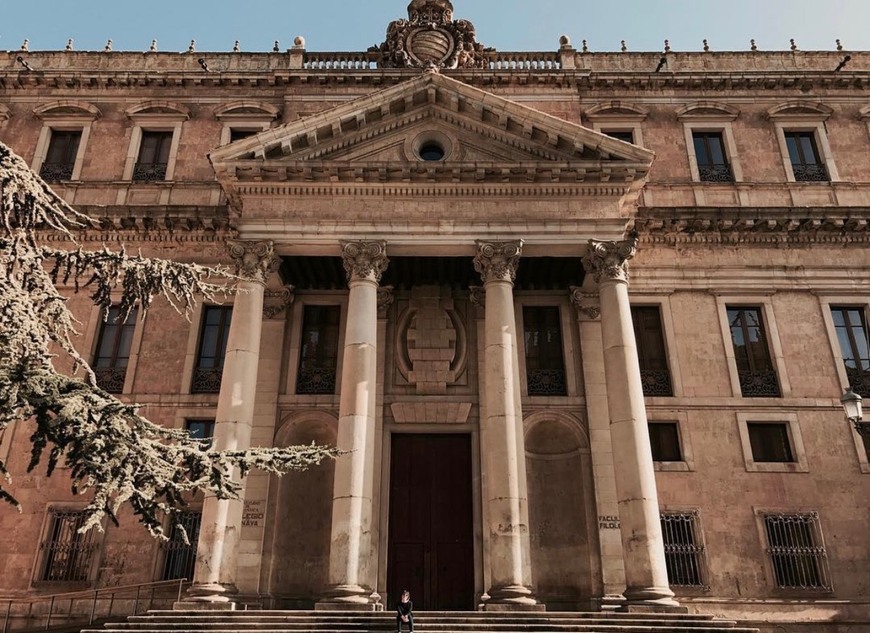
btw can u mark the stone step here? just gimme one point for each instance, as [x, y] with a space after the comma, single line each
[660, 627]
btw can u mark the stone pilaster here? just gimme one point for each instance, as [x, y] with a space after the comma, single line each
[214, 579]
[351, 557]
[501, 434]
[643, 548]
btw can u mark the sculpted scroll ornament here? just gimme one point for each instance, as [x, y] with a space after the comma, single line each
[364, 260]
[254, 261]
[498, 260]
[386, 297]
[588, 304]
[609, 260]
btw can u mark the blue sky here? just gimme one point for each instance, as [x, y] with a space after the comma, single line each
[332, 25]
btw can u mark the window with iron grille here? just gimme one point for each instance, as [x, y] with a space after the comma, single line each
[684, 551]
[318, 359]
[202, 430]
[664, 438]
[623, 135]
[651, 353]
[212, 349]
[545, 364]
[751, 353]
[770, 442]
[796, 551]
[153, 156]
[67, 554]
[113, 350]
[710, 155]
[63, 148]
[180, 556]
[851, 327]
[806, 163]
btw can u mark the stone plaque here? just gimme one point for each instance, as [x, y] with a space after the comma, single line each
[254, 514]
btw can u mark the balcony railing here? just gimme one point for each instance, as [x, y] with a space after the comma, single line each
[206, 380]
[111, 379]
[316, 380]
[547, 382]
[56, 172]
[149, 172]
[656, 382]
[810, 173]
[758, 384]
[715, 173]
[859, 380]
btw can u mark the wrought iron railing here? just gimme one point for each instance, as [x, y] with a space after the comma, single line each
[547, 382]
[656, 382]
[206, 380]
[149, 172]
[798, 558]
[810, 173]
[758, 384]
[684, 553]
[316, 380]
[56, 172]
[67, 555]
[111, 379]
[715, 173]
[39, 613]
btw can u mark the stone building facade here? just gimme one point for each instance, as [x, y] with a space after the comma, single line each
[435, 239]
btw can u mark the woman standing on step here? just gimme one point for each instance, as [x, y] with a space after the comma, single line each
[404, 612]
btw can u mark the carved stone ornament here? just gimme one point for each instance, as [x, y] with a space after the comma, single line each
[498, 260]
[477, 296]
[277, 301]
[364, 260]
[385, 300]
[430, 37]
[587, 303]
[609, 260]
[254, 261]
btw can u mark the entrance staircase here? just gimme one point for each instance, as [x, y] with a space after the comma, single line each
[424, 622]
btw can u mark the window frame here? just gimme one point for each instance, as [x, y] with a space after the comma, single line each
[663, 302]
[711, 118]
[101, 327]
[700, 543]
[40, 560]
[566, 323]
[617, 116]
[795, 438]
[67, 123]
[761, 514]
[826, 302]
[685, 438]
[169, 118]
[92, 340]
[339, 349]
[521, 327]
[201, 314]
[771, 332]
[245, 115]
[800, 117]
[294, 352]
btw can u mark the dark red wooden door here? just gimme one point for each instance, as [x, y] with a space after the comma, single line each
[431, 549]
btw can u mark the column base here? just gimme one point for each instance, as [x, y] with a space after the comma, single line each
[651, 600]
[208, 597]
[510, 598]
[609, 602]
[349, 598]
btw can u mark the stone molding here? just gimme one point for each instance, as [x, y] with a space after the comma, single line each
[364, 260]
[277, 301]
[498, 261]
[254, 261]
[609, 260]
[587, 304]
[386, 298]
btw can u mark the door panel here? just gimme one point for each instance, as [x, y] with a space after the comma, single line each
[431, 549]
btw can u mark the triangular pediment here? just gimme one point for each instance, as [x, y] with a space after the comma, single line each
[388, 132]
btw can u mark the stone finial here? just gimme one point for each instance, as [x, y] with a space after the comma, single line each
[623, 47]
[588, 304]
[192, 47]
[237, 47]
[386, 297]
[277, 301]
[706, 47]
[793, 45]
[69, 45]
[752, 46]
[564, 42]
[364, 260]
[298, 42]
[25, 46]
[498, 261]
[839, 45]
[276, 48]
[585, 46]
[153, 47]
[609, 260]
[667, 46]
[254, 261]
[108, 47]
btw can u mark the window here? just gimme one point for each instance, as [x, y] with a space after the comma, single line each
[851, 327]
[113, 350]
[769, 442]
[318, 360]
[212, 349]
[684, 552]
[866, 440]
[651, 353]
[664, 438]
[153, 157]
[710, 153]
[66, 553]
[755, 368]
[180, 556]
[63, 149]
[545, 365]
[202, 430]
[622, 135]
[237, 134]
[806, 163]
[796, 551]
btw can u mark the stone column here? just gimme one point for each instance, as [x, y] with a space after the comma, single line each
[351, 556]
[646, 576]
[501, 433]
[214, 578]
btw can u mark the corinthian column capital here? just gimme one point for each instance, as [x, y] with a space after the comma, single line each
[498, 261]
[364, 260]
[609, 260]
[254, 261]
